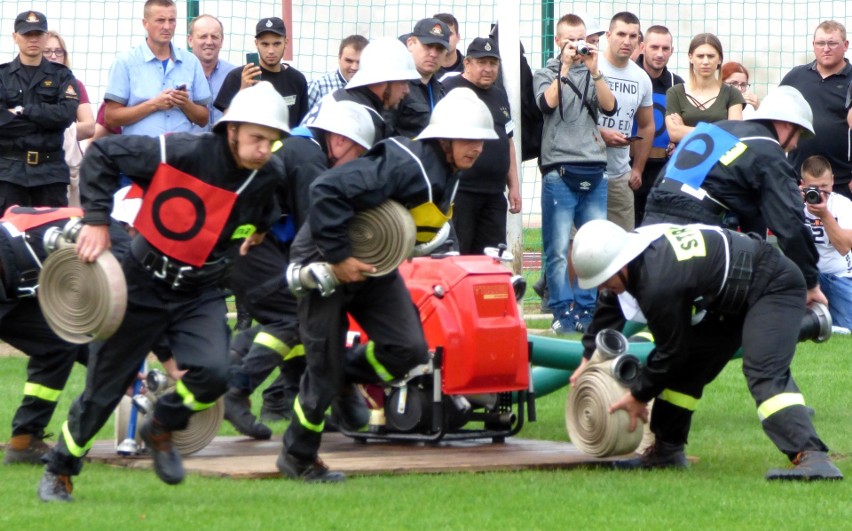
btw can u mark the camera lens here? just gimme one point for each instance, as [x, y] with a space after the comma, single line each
[813, 196]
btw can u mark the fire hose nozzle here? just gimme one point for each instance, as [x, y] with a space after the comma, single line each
[610, 344]
[317, 275]
[56, 238]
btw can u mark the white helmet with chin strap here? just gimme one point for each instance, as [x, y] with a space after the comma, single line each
[260, 104]
[346, 118]
[601, 248]
[460, 115]
[786, 104]
[384, 60]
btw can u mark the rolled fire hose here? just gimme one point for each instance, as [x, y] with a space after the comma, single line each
[81, 302]
[604, 381]
[202, 429]
[383, 237]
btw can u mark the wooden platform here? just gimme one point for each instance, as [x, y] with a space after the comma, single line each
[238, 457]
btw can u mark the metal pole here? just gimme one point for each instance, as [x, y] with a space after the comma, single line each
[547, 20]
[192, 11]
[509, 44]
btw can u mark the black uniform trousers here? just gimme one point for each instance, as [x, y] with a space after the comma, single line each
[195, 325]
[479, 220]
[22, 325]
[649, 177]
[257, 280]
[383, 308]
[49, 195]
[768, 332]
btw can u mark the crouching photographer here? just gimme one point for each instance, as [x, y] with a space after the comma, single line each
[829, 216]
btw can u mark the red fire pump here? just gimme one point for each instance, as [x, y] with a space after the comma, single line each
[477, 383]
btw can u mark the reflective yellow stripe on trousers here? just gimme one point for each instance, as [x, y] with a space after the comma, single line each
[679, 399]
[73, 448]
[189, 398]
[40, 391]
[297, 407]
[778, 402]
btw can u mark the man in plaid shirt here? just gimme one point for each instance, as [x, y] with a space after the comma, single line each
[348, 61]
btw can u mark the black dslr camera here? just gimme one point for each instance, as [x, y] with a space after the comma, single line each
[813, 195]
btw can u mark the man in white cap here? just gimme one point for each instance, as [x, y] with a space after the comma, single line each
[422, 175]
[208, 197]
[704, 292]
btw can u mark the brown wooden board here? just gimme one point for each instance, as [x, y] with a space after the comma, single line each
[239, 457]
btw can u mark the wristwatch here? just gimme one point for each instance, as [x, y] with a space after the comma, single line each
[19, 110]
[597, 77]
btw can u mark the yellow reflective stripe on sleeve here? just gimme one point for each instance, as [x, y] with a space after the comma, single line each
[278, 144]
[689, 403]
[73, 448]
[308, 425]
[40, 391]
[295, 352]
[189, 399]
[733, 154]
[380, 370]
[243, 231]
[272, 343]
[778, 402]
[687, 242]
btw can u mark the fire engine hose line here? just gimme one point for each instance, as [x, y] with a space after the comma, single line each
[604, 381]
[383, 236]
[81, 302]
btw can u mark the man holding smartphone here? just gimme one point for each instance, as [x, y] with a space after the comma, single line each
[265, 64]
[157, 88]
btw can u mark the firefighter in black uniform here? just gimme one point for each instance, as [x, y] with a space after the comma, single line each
[38, 101]
[751, 294]
[741, 167]
[379, 85]
[207, 197]
[423, 176]
[23, 326]
[341, 132]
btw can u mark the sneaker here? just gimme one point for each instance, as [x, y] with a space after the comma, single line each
[583, 320]
[238, 413]
[55, 487]
[564, 324]
[660, 455]
[807, 466]
[307, 471]
[167, 461]
[25, 449]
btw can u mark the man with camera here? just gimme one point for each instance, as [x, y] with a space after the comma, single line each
[571, 92]
[829, 215]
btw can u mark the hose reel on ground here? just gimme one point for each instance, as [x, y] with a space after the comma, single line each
[605, 379]
[81, 302]
[203, 425]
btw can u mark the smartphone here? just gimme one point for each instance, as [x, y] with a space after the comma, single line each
[633, 138]
[253, 58]
[181, 87]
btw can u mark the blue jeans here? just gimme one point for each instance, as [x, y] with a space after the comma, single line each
[838, 291]
[560, 208]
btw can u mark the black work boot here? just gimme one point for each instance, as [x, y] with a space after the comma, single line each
[273, 412]
[25, 448]
[167, 461]
[807, 466]
[307, 471]
[238, 413]
[349, 411]
[55, 487]
[660, 455]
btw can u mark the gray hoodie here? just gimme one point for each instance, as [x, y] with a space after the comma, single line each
[573, 136]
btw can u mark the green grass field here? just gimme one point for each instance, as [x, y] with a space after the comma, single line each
[724, 490]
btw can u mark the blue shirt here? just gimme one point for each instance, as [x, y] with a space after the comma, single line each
[138, 76]
[324, 85]
[220, 71]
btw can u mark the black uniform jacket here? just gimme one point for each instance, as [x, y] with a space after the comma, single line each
[415, 109]
[50, 101]
[305, 160]
[392, 169]
[758, 186]
[205, 156]
[676, 272]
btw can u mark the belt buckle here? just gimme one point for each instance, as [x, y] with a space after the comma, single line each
[32, 158]
[161, 274]
[179, 276]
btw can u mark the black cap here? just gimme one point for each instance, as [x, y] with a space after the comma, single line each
[483, 47]
[30, 21]
[271, 25]
[432, 31]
